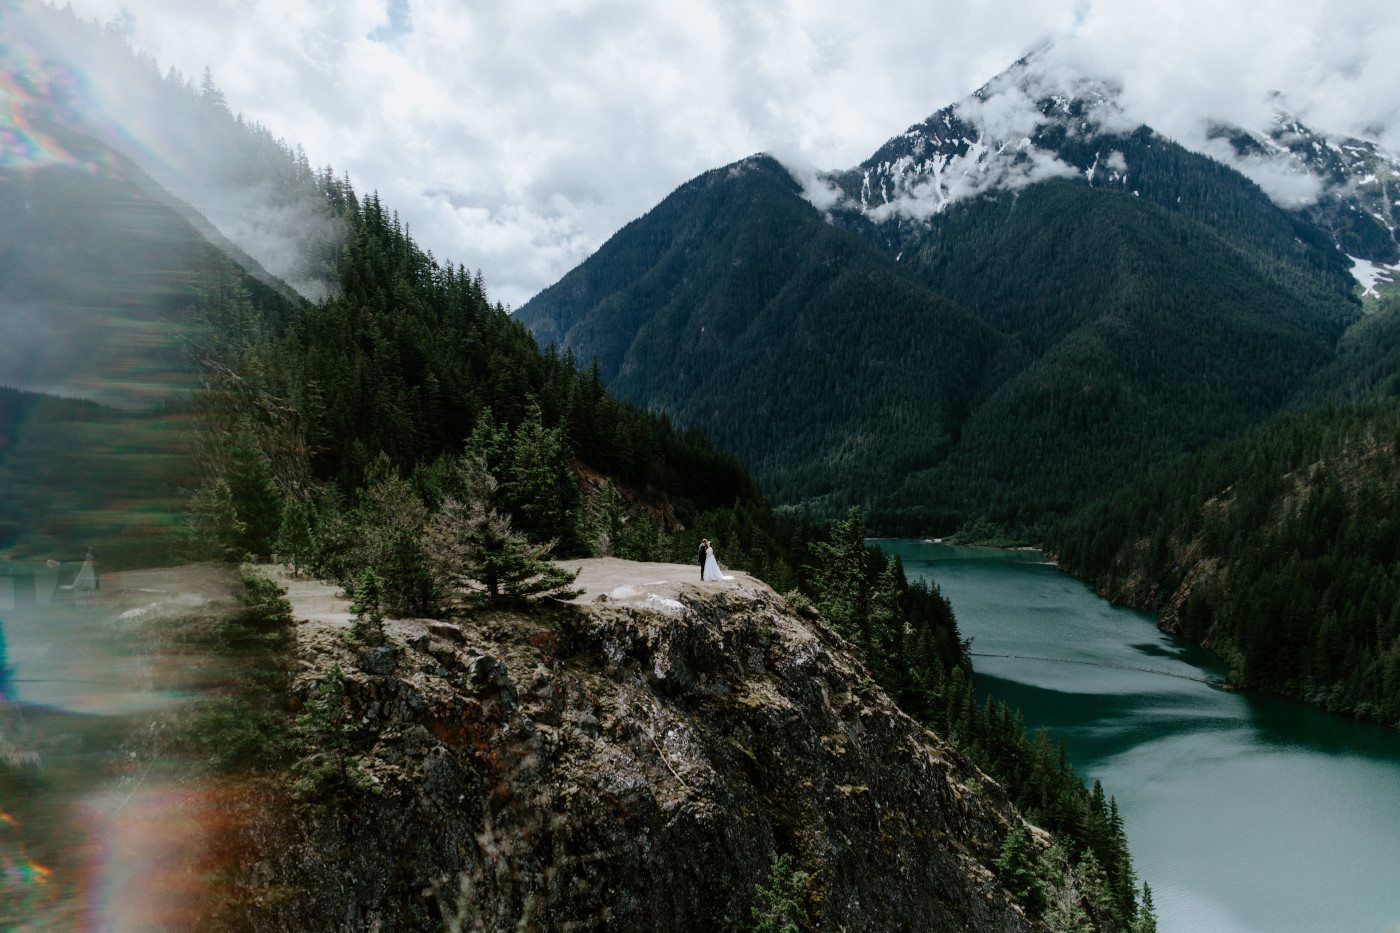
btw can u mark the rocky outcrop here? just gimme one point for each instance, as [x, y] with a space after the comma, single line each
[624, 768]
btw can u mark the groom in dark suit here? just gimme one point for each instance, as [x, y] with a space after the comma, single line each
[704, 546]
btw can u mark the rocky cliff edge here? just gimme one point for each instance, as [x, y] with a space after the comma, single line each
[632, 761]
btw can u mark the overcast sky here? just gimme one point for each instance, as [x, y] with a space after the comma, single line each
[516, 137]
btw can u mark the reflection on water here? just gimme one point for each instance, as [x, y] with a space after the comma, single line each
[1246, 814]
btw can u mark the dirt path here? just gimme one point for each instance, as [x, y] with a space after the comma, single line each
[313, 600]
[657, 586]
[602, 579]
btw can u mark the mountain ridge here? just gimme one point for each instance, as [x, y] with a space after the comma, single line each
[1167, 272]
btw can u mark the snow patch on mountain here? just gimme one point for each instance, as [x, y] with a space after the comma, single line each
[1049, 116]
[1368, 274]
[1297, 164]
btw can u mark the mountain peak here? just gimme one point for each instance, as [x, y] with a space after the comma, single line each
[1005, 135]
[1044, 118]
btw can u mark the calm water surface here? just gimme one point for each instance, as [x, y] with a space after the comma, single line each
[1246, 814]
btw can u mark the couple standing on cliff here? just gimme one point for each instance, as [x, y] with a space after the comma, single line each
[709, 567]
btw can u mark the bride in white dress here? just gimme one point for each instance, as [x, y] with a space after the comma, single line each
[712, 567]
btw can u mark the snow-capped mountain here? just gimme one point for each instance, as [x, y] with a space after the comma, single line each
[1037, 121]
[1024, 126]
[1031, 273]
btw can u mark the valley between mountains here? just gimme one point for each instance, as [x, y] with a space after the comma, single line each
[478, 687]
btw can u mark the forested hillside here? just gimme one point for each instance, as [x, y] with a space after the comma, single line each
[989, 365]
[79, 84]
[98, 277]
[406, 438]
[829, 370]
[107, 290]
[1367, 362]
[1278, 550]
[1144, 333]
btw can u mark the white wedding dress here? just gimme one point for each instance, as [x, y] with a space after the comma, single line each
[712, 567]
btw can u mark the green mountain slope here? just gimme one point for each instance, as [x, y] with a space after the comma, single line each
[99, 281]
[1144, 333]
[111, 298]
[1118, 332]
[1367, 362]
[733, 305]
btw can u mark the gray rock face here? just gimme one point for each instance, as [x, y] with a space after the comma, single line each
[381, 660]
[596, 767]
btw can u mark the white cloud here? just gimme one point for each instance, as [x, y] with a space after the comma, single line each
[822, 194]
[1281, 177]
[517, 137]
[923, 191]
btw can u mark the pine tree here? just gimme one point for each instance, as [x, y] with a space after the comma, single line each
[1093, 881]
[783, 902]
[387, 538]
[294, 539]
[324, 734]
[541, 489]
[886, 627]
[209, 92]
[367, 606]
[843, 590]
[1147, 914]
[1122, 879]
[1017, 871]
[211, 529]
[1064, 908]
[254, 494]
[478, 556]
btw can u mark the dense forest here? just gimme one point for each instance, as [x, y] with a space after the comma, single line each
[733, 305]
[1153, 335]
[1278, 550]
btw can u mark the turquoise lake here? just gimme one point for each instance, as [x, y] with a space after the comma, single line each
[1245, 813]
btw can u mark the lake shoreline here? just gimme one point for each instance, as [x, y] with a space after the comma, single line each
[1214, 783]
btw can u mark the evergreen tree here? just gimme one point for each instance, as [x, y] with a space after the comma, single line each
[541, 490]
[367, 605]
[479, 557]
[782, 905]
[1147, 913]
[254, 494]
[294, 540]
[387, 538]
[211, 529]
[1093, 881]
[324, 735]
[1064, 902]
[1017, 870]
[839, 578]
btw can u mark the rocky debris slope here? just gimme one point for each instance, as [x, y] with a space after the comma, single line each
[604, 766]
